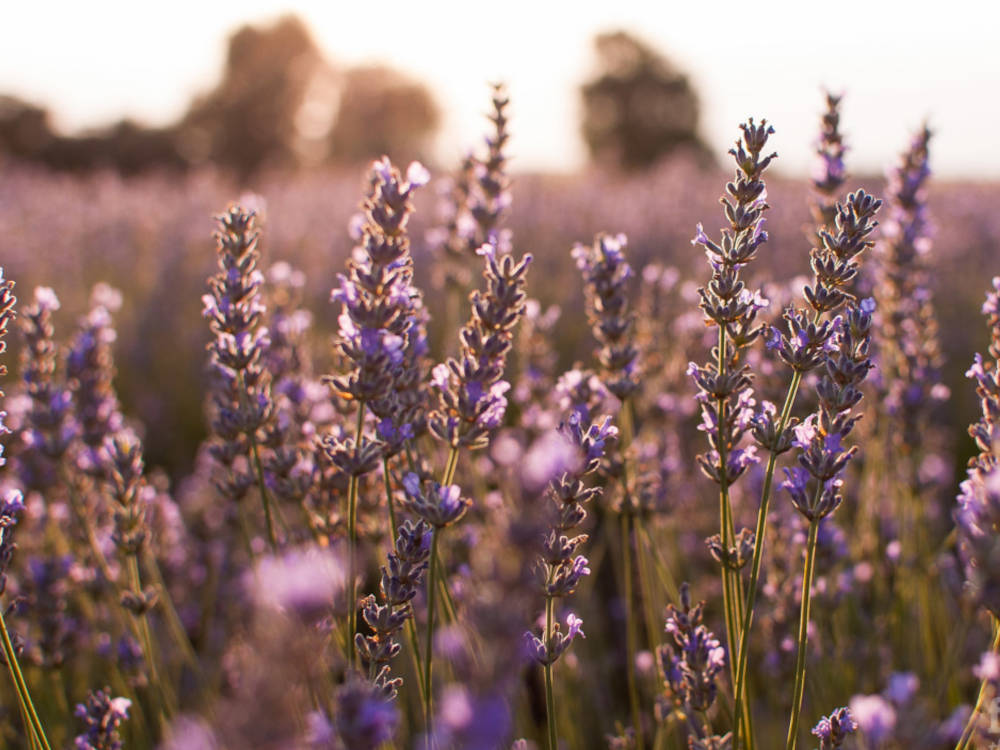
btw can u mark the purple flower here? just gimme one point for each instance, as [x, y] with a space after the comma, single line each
[574, 625]
[832, 730]
[902, 687]
[875, 716]
[306, 581]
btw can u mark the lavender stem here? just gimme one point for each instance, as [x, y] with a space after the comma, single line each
[970, 725]
[800, 662]
[24, 696]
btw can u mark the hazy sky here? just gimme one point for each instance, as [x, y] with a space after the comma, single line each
[898, 62]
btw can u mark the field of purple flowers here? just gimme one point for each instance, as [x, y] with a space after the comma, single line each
[421, 460]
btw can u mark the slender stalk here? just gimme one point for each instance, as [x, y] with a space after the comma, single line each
[265, 495]
[352, 536]
[411, 629]
[550, 703]
[387, 483]
[630, 635]
[146, 636]
[732, 583]
[758, 554]
[34, 724]
[970, 725]
[174, 624]
[429, 647]
[800, 663]
[627, 425]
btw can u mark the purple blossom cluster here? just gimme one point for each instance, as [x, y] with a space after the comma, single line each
[234, 307]
[471, 390]
[909, 351]
[691, 663]
[101, 717]
[724, 385]
[606, 274]
[561, 567]
[977, 517]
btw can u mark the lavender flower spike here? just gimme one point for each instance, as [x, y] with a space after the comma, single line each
[101, 716]
[832, 730]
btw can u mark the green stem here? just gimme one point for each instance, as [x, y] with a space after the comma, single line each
[631, 639]
[630, 636]
[758, 554]
[732, 583]
[34, 724]
[550, 703]
[146, 637]
[352, 537]
[429, 647]
[265, 494]
[174, 624]
[970, 725]
[800, 662]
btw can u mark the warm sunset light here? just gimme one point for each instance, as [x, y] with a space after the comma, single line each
[899, 63]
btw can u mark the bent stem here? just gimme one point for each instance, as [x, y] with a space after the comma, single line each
[34, 727]
[800, 662]
[758, 554]
[970, 725]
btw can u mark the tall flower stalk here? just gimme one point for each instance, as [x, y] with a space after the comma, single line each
[242, 397]
[378, 336]
[802, 347]
[561, 567]
[472, 399]
[11, 506]
[977, 518]
[724, 384]
[606, 274]
[814, 485]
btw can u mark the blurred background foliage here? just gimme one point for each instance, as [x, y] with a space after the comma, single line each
[279, 104]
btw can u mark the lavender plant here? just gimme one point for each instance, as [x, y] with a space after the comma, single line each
[11, 507]
[562, 568]
[380, 337]
[606, 274]
[977, 517]
[724, 385]
[241, 399]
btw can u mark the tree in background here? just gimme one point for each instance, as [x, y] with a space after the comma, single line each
[639, 107]
[382, 111]
[248, 120]
[279, 104]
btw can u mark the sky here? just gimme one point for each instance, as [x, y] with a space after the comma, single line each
[898, 64]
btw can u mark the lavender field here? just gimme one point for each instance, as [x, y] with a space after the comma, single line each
[480, 459]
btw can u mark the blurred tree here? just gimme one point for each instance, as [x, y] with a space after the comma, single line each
[639, 107]
[382, 112]
[249, 120]
[278, 104]
[25, 131]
